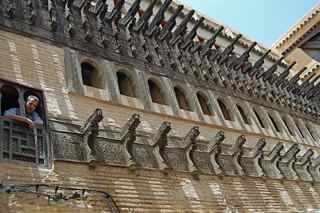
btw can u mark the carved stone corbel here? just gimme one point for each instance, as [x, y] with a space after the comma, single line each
[250, 162]
[84, 10]
[301, 166]
[287, 161]
[69, 17]
[90, 131]
[160, 141]
[190, 142]
[214, 150]
[128, 136]
[52, 14]
[10, 8]
[269, 162]
[314, 169]
[30, 11]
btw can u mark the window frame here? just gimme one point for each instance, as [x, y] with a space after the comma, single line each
[22, 90]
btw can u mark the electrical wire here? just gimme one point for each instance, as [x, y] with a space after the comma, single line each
[57, 196]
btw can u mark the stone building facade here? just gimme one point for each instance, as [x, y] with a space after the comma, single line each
[149, 109]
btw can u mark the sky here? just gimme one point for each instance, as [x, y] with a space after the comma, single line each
[264, 21]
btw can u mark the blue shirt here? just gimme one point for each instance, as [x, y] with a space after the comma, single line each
[34, 116]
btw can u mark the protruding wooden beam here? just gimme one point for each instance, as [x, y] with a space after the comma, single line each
[142, 24]
[170, 24]
[188, 38]
[127, 19]
[154, 28]
[258, 64]
[181, 29]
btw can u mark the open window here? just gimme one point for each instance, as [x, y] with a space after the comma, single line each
[243, 115]
[204, 104]
[91, 76]
[18, 141]
[155, 92]
[181, 98]
[225, 112]
[125, 84]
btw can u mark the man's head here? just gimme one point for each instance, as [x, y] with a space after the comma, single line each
[31, 103]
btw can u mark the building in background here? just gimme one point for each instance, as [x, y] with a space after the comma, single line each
[302, 42]
[148, 107]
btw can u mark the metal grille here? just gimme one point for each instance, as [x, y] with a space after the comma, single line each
[19, 143]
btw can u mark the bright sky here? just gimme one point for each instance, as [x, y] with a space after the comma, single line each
[264, 21]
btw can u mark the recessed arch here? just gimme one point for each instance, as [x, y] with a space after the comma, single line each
[225, 112]
[259, 118]
[300, 130]
[274, 123]
[181, 98]
[90, 75]
[285, 121]
[311, 132]
[125, 84]
[204, 103]
[243, 114]
[155, 92]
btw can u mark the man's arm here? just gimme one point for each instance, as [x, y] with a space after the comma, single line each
[12, 114]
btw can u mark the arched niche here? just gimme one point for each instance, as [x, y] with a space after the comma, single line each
[204, 103]
[259, 117]
[274, 123]
[91, 76]
[181, 98]
[125, 84]
[288, 126]
[155, 92]
[243, 114]
[225, 111]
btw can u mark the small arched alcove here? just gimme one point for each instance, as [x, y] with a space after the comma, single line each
[286, 123]
[9, 98]
[155, 92]
[274, 123]
[125, 84]
[311, 132]
[181, 98]
[225, 112]
[91, 76]
[204, 103]
[260, 120]
[300, 129]
[243, 114]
